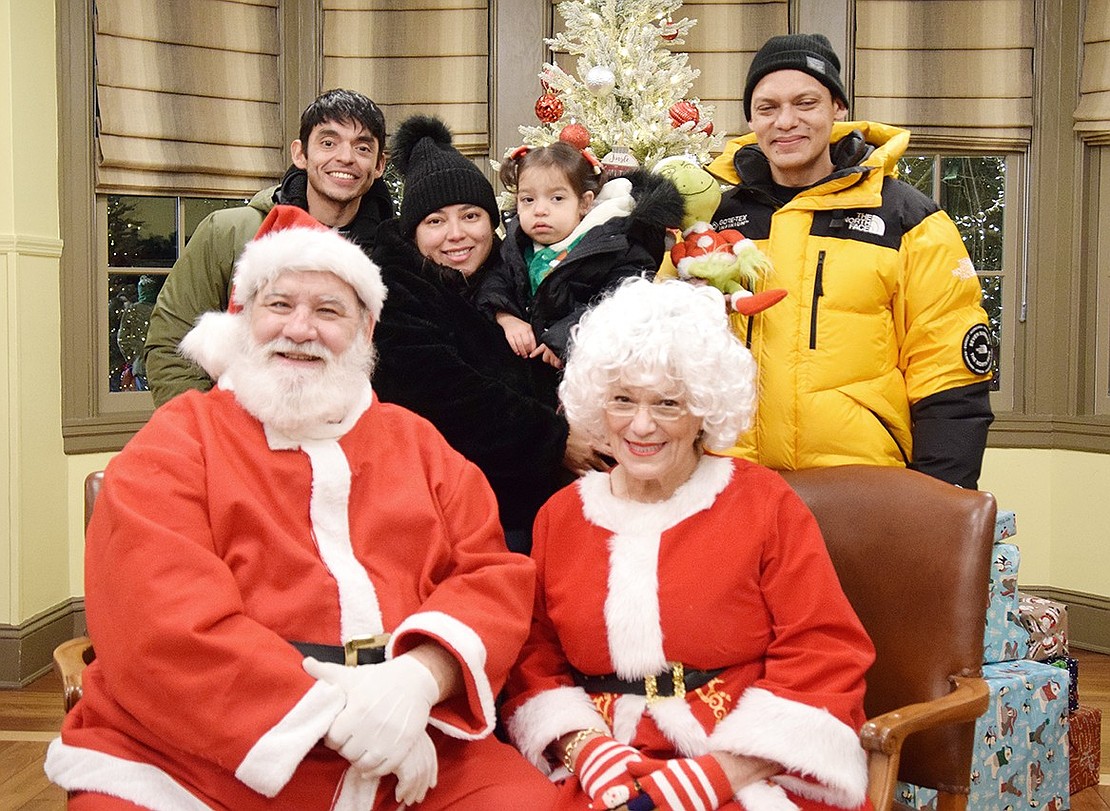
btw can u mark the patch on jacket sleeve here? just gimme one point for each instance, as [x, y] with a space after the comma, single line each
[965, 269]
[977, 349]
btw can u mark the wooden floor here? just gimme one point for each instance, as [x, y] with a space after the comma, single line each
[30, 718]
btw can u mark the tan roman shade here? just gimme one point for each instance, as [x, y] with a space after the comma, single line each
[1092, 116]
[721, 46]
[188, 96]
[429, 57]
[946, 67]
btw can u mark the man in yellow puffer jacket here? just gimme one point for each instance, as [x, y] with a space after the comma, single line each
[881, 352]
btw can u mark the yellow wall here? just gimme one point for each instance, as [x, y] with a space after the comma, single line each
[41, 513]
[1063, 514]
[33, 503]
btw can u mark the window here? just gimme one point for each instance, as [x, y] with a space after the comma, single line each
[980, 193]
[145, 236]
[167, 109]
[147, 231]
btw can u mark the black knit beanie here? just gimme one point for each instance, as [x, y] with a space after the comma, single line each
[436, 174]
[809, 53]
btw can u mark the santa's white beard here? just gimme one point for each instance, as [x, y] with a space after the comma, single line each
[293, 399]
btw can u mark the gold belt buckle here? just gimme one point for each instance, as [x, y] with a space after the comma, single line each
[352, 646]
[678, 682]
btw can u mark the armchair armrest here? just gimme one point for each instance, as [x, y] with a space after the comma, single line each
[70, 660]
[882, 736]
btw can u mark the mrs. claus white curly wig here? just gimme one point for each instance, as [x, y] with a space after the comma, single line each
[673, 336]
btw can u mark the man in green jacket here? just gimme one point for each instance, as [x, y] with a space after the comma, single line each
[338, 158]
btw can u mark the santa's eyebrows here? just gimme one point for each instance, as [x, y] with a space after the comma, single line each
[335, 300]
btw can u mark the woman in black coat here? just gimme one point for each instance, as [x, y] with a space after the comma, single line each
[439, 356]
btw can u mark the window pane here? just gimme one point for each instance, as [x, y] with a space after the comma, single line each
[992, 303]
[918, 172]
[197, 208]
[973, 192]
[142, 231]
[130, 299]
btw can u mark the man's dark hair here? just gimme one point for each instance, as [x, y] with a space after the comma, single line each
[344, 107]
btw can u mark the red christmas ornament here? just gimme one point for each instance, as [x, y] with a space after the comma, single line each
[668, 30]
[708, 128]
[683, 111]
[576, 135]
[548, 108]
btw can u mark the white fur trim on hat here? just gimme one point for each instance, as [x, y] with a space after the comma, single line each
[306, 249]
[213, 342]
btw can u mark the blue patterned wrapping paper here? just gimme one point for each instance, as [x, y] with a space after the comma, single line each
[1005, 525]
[1020, 760]
[1005, 637]
[1021, 742]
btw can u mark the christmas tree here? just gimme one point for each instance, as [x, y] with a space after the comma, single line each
[629, 94]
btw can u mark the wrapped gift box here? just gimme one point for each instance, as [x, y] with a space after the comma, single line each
[1005, 525]
[1020, 758]
[1047, 623]
[1072, 666]
[1085, 747]
[1005, 638]
[1021, 746]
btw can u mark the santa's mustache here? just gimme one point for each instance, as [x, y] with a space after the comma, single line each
[309, 350]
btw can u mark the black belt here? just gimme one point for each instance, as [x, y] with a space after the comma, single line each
[368, 650]
[674, 682]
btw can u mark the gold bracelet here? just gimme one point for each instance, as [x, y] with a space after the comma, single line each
[575, 742]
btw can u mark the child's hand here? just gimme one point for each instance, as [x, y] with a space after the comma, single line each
[518, 333]
[547, 356]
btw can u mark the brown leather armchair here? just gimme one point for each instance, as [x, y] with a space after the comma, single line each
[913, 555]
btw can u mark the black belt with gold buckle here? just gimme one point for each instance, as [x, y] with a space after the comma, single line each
[674, 682]
[366, 650]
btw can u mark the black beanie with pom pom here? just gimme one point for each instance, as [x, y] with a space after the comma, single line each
[436, 174]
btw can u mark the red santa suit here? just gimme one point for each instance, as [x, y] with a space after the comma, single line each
[215, 541]
[729, 573]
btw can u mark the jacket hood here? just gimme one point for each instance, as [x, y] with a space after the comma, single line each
[888, 145]
[264, 199]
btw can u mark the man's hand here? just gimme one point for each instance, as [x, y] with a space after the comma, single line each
[387, 710]
[417, 772]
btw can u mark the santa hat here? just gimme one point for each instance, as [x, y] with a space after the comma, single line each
[289, 239]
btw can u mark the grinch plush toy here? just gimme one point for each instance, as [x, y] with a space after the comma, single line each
[725, 259]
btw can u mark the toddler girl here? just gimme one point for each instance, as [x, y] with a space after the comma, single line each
[574, 237]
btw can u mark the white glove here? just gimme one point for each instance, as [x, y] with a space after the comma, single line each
[387, 710]
[417, 772]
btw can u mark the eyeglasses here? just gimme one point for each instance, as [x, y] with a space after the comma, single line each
[665, 411]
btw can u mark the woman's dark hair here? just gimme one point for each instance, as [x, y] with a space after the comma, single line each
[583, 173]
